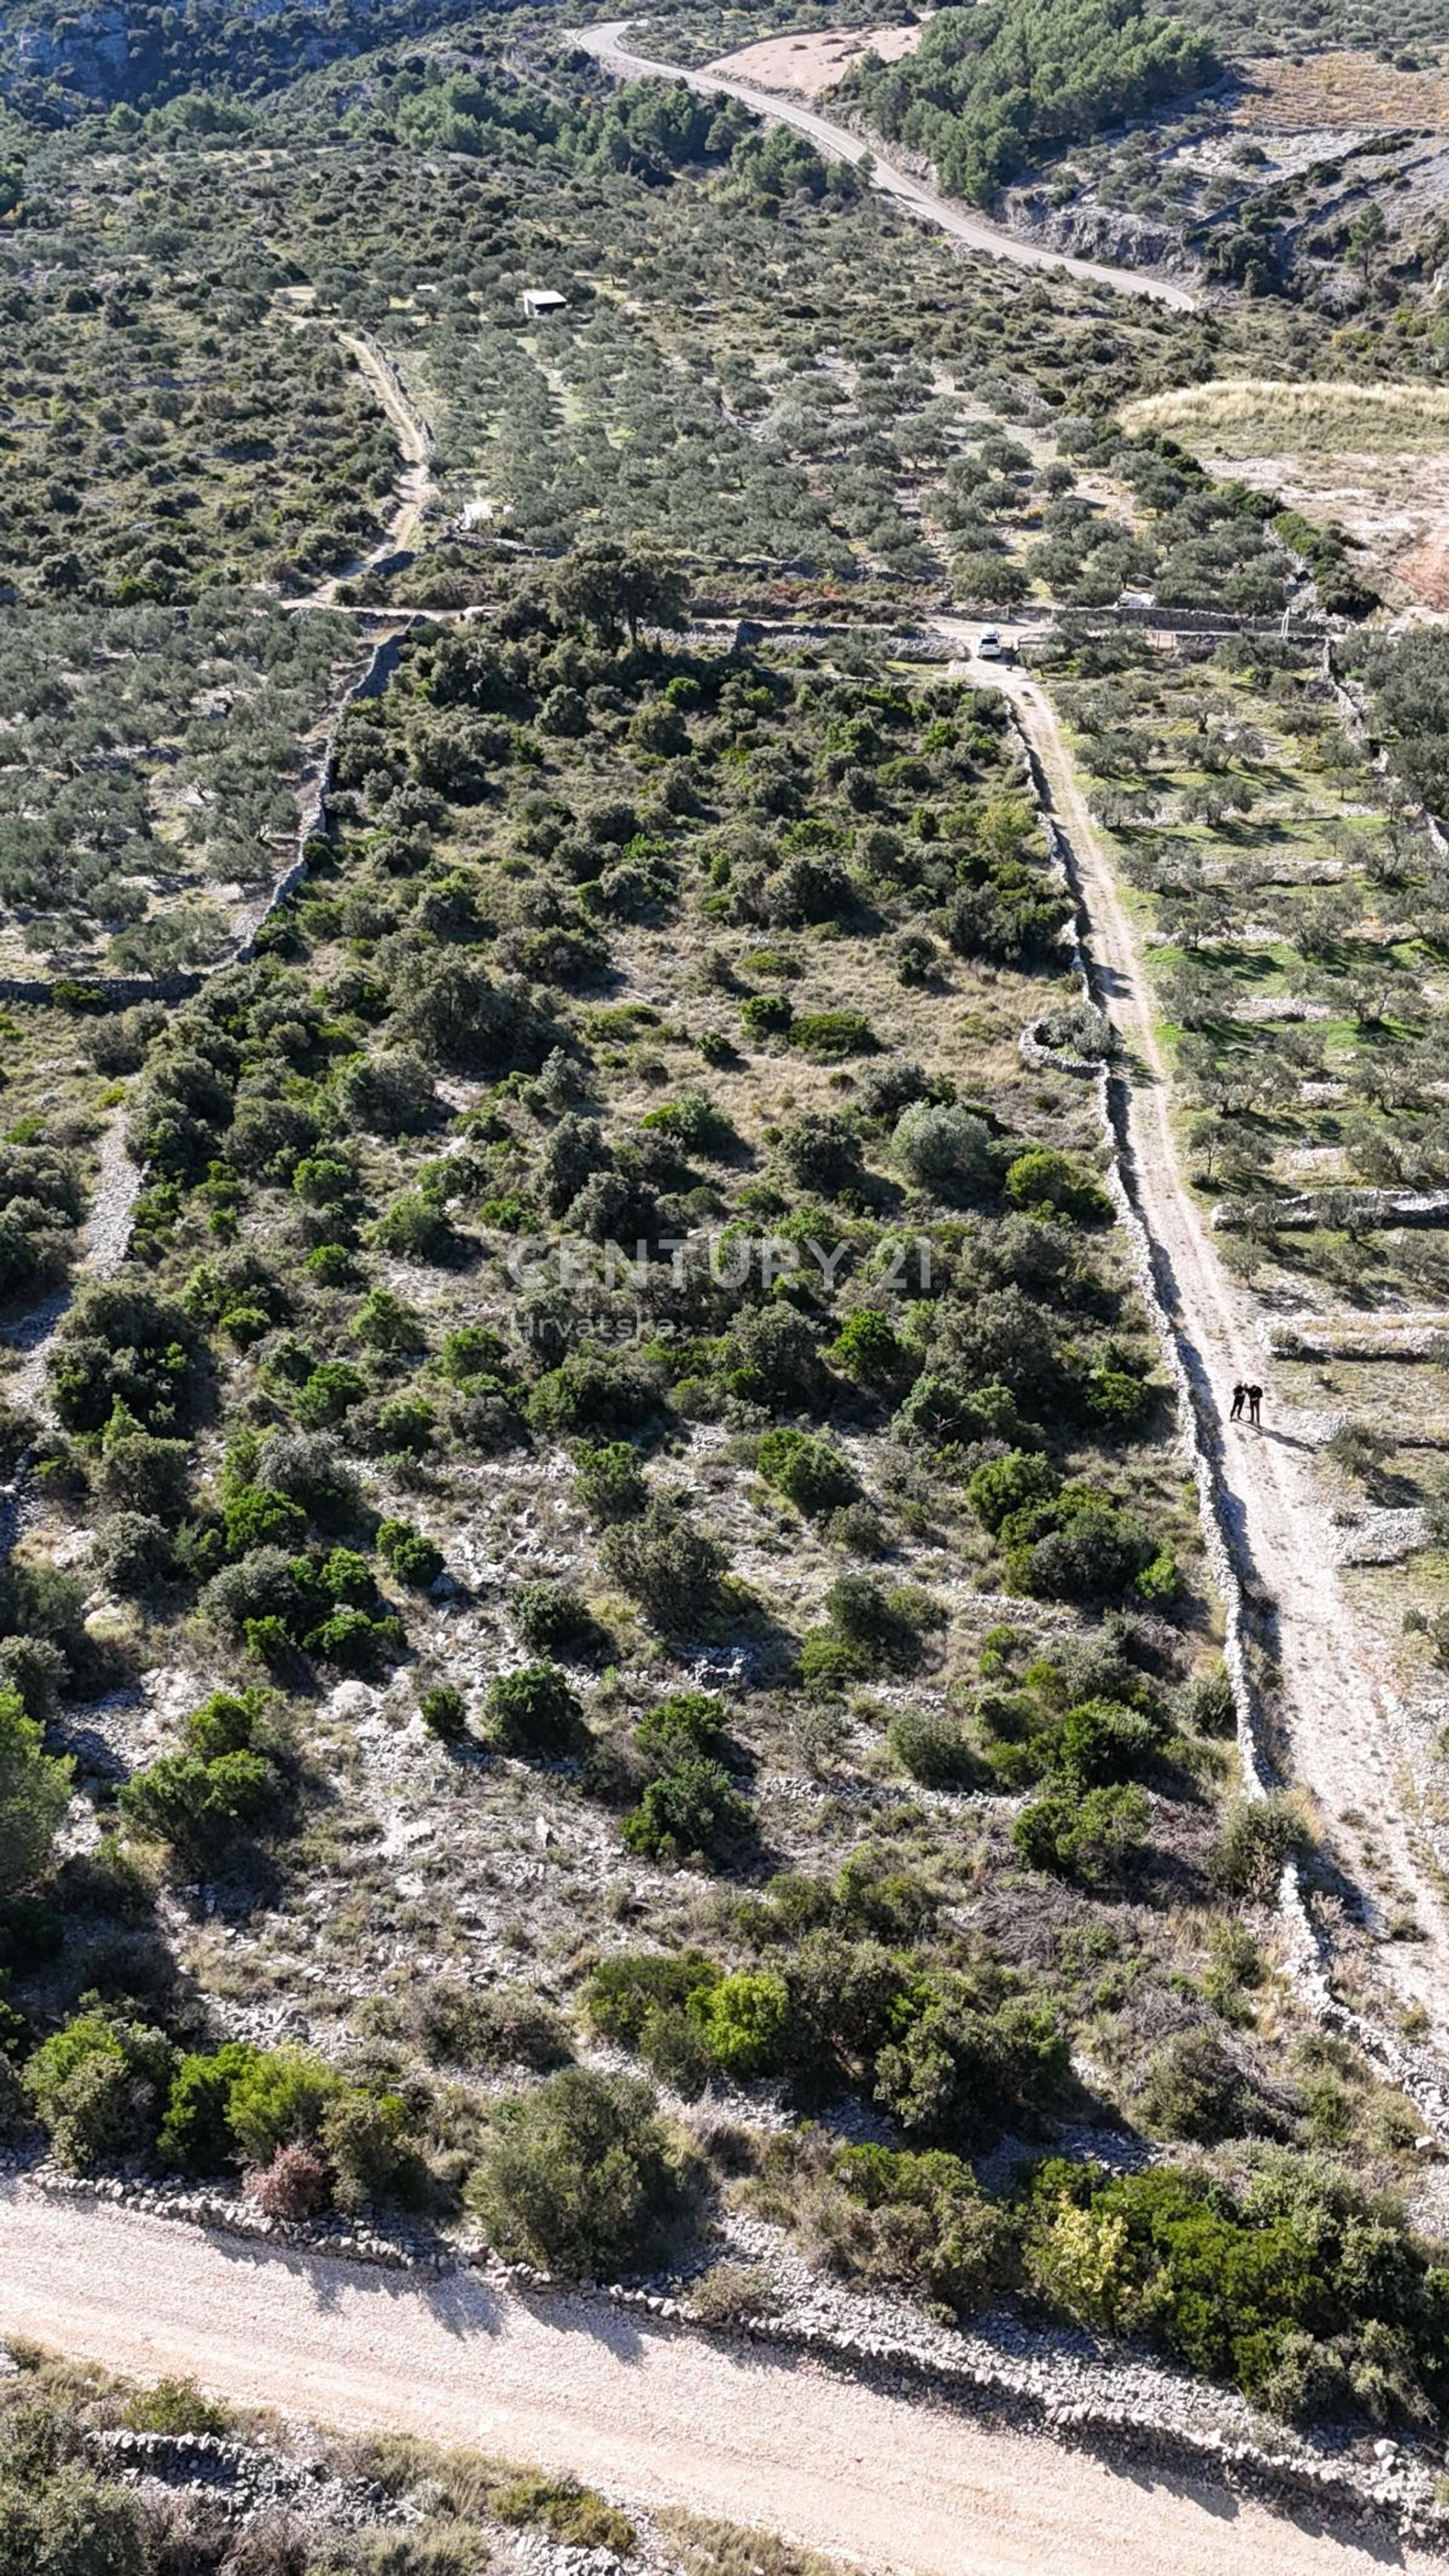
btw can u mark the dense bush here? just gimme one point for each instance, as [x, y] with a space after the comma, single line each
[673, 1570]
[1300, 2289]
[1092, 1838]
[934, 1750]
[123, 1344]
[808, 1471]
[582, 2176]
[690, 1812]
[535, 1714]
[551, 1619]
[34, 1792]
[962, 2067]
[100, 2085]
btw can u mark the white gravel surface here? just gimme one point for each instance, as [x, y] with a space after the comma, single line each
[651, 2416]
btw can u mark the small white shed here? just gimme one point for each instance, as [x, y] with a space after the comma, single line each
[537, 300]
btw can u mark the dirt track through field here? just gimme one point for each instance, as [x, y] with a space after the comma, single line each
[1339, 1740]
[604, 42]
[652, 2416]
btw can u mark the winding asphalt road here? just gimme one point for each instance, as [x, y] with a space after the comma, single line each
[605, 43]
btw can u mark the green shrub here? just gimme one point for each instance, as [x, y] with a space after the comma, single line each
[767, 1015]
[807, 1471]
[415, 1228]
[356, 1643]
[279, 2100]
[196, 2134]
[384, 1323]
[1196, 2090]
[821, 1153]
[592, 1392]
[143, 1474]
[689, 1812]
[1010, 1484]
[123, 1344]
[176, 2406]
[687, 1723]
[414, 1559]
[830, 1036]
[401, 1426]
[329, 1393]
[202, 1808]
[869, 1349]
[1082, 1548]
[664, 1563]
[869, 1629]
[364, 2137]
[345, 1576]
[443, 1710]
[1101, 1741]
[1207, 1703]
[1092, 1838]
[581, 2176]
[694, 1123]
[609, 1481]
[552, 1619]
[931, 1748]
[889, 2214]
[771, 1358]
[946, 1150]
[100, 2085]
[72, 2524]
[744, 2021]
[1053, 1183]
[34, 1795]
[1233, 2284]
[961, 2068]
[534, 1714]
[628, 1987]
[571, 2514]
[386, 1095]
[252, 1516]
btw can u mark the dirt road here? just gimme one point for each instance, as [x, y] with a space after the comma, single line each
[414, 441]
[652, 2416]
[605, 43]
[1339, 1739]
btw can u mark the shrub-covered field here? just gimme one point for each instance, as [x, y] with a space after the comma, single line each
[616, 1553]
[609, 1649]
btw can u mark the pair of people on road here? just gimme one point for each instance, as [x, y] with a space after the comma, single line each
[1253, 1396]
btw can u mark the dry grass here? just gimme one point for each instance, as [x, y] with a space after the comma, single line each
[1243, 416]
[1343, 89]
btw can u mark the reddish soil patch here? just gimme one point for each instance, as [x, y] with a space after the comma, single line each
[807, 66]
[1425, 572]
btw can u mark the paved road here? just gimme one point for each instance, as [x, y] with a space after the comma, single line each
[605, 43]
[652, 2416]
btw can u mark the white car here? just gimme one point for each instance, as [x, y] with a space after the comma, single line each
[989, 648]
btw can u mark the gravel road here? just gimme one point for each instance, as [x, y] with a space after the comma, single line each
[652, 2416]
[605, 44]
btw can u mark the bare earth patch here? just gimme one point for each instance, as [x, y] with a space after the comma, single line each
[807, 66]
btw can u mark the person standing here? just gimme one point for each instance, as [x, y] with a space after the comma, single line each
[1239, 1392]
[1255, 1398]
